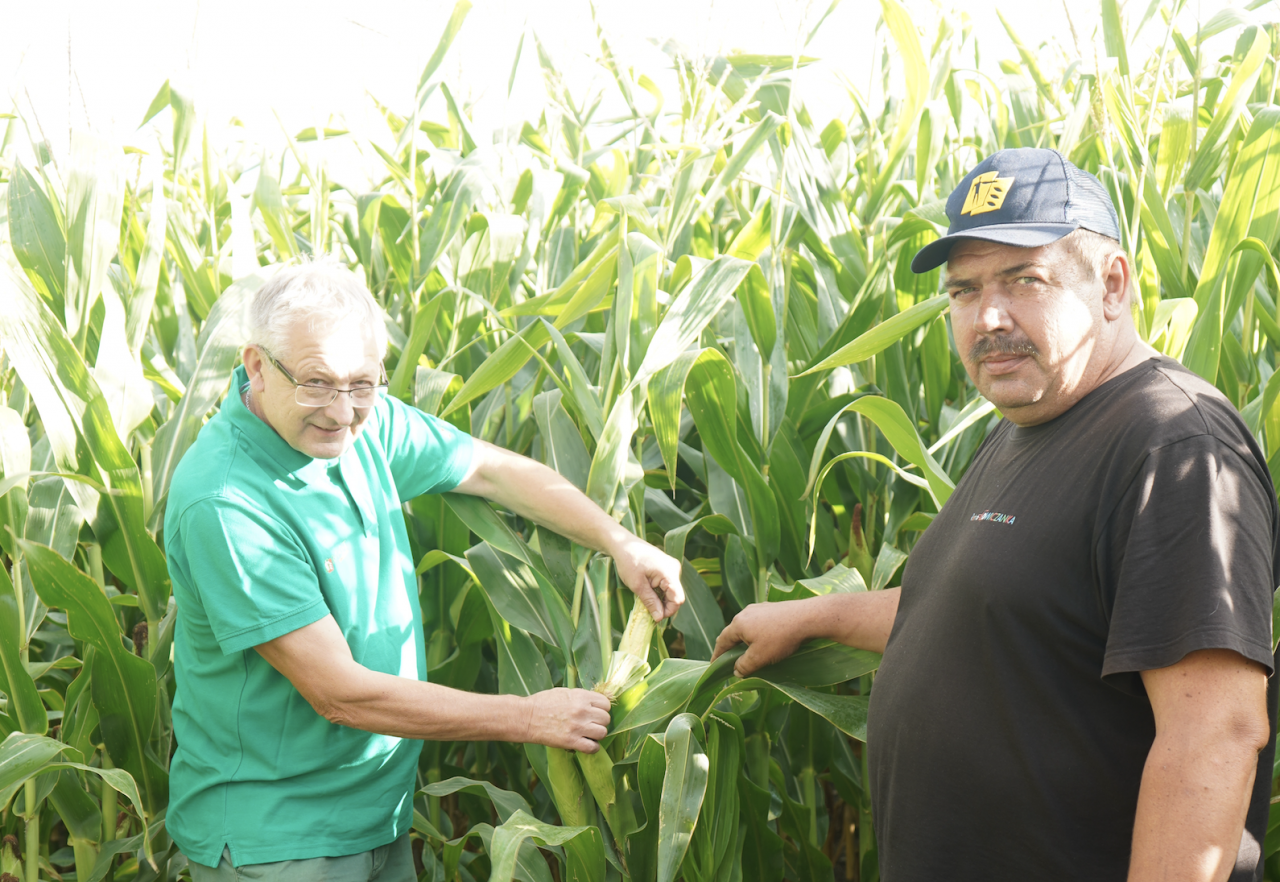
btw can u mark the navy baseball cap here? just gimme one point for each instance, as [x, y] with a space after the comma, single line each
[1025, 197]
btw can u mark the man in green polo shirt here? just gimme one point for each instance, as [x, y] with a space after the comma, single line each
[302, 695]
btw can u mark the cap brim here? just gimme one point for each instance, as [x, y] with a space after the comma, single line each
[936, 252]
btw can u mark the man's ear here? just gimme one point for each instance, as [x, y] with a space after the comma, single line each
[1116, 284]
[253, 366]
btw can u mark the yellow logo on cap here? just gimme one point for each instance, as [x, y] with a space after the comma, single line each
[986, 193]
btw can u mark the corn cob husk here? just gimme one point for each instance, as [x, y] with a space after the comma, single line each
[629, 664]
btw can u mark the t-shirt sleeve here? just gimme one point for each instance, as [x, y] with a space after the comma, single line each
[425, 453]
[1192, 558]
[251, 575]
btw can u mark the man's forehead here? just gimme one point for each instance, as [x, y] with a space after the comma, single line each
[335, 352]
[998, 256]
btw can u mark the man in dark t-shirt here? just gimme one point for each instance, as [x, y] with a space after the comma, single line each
[1076, 676]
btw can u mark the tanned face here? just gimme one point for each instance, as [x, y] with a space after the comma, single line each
[1038, 330]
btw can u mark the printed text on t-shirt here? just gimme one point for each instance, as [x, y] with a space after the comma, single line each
[994, 517]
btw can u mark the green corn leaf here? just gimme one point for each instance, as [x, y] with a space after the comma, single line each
[583, 845]
[522, 597]
[605, 481]
[562, 444]
[35, 232]
[83, 438]
[149, 262]
[458, 16]
[712, 397]
[269, 201]
[1254, 45]
[504, 802]
[224, 332]
[892, 421]
[883, 335]
[1113, 35]
[1250, 209]
[691, 311]
[486, 523]
[521, 667]
[95, 200]
[451, 210]
[848, 713]
[661, 694]
[23, 755]
[683, 787]
[820, 663]
[424, 323]
[24, 705]
[666, 393]
[699, 619]
[123, 685]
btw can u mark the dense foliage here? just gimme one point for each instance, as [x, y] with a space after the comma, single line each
[701, 314]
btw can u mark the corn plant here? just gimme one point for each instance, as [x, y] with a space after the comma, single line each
[702, 314]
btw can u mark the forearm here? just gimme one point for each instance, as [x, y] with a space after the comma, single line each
[861, 620]
[1191, 809]
[390, 705]
[542, 495]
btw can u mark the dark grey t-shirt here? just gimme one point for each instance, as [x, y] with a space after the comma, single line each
[1008, 724]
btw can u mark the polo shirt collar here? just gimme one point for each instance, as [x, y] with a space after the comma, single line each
[264, 438]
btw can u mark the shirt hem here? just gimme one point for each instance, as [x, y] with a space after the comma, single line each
[277, 627]
[241, 857]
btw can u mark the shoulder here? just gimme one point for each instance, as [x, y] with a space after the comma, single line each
[216, 466]
[1160, 402]
[1179, 405]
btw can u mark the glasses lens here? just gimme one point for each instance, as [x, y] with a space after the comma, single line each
[366, 395]
[315, 396]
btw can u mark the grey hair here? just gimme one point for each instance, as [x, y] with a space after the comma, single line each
[317, 294]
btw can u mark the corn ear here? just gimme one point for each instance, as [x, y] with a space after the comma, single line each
[10, 863]
[629, 664]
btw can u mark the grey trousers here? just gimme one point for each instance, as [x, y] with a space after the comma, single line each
[387, 863]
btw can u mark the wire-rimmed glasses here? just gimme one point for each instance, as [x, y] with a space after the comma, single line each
[315, 395]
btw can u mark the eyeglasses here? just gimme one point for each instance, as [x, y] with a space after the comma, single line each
[313, 395]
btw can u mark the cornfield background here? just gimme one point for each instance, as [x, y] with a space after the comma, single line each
[701, 313]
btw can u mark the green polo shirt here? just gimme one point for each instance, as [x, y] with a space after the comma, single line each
[261, 540]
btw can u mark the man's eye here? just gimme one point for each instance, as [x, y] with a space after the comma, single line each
[960, 292]
[315, 386]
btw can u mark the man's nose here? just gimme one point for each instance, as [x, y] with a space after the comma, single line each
[340, 410]
[992, 315]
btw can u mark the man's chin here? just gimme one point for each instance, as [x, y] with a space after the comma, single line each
[322, 447]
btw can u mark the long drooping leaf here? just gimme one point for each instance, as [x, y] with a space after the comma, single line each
[123, 685]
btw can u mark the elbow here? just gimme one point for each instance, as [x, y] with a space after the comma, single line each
[1251, 731]
[333, 709]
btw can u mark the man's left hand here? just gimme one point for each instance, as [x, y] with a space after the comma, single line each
[646, 571]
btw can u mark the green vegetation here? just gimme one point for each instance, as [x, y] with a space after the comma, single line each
[702, 314]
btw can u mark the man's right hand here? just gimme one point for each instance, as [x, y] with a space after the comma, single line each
[772, 631]
[574, 719]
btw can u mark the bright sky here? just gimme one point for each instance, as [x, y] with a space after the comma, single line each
[98, 63]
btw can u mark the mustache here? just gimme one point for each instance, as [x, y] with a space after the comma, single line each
[984, 347]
